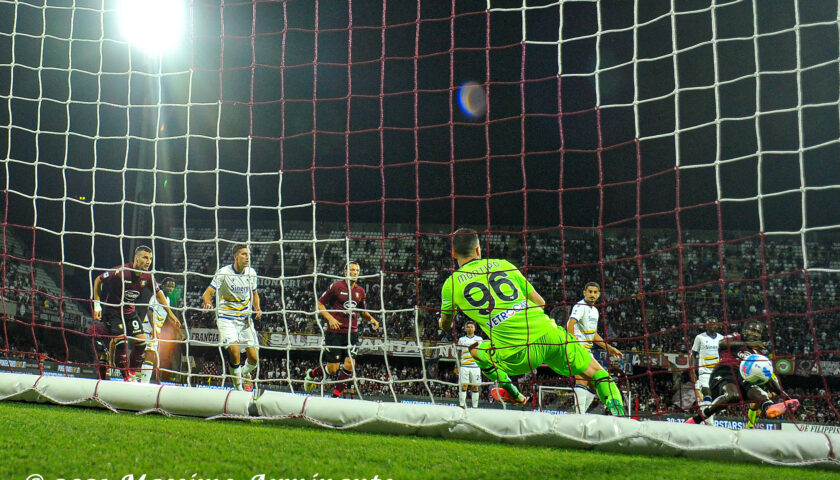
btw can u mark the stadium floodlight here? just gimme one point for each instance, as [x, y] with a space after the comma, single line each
[154, 26]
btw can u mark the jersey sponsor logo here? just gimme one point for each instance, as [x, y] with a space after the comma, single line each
[349, 304]
[506, 314]
[239, 289]
[131, 295]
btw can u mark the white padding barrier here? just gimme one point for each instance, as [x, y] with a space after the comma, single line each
[594, 432]
[136, 397]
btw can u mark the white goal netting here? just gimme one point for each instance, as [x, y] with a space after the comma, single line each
[684, 155]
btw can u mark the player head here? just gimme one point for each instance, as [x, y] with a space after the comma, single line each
[465, 244]
[591, 292]
[351, 271]
[712, 326]
[167, 285]
[753, 330]
[469, 328]
[241, 256]
[142, 257]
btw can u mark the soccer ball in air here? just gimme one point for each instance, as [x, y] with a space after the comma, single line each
[756, 369]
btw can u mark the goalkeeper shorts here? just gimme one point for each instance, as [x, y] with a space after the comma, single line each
[556, 349]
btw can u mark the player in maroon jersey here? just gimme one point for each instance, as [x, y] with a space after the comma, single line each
[122, 286]
[727, 385]
[340, 305]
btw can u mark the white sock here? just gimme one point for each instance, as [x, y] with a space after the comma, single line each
[462, 398]
[249, 367]
[236, 372]
[146, 372]
[475, 399]
[583, 398]
[711, 419]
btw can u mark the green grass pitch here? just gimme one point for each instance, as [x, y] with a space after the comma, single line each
[75, 443]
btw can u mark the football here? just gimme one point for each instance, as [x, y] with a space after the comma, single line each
[756, 369]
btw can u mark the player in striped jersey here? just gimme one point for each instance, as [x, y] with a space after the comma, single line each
[706, 348]
[469, 375]
[235, 288]
[583, 324]
[156, 316]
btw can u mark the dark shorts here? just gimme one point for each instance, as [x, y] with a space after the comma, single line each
[724, 375]
[341, 348]
[113, 320]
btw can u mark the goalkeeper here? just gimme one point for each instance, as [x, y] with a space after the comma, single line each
[522, 337]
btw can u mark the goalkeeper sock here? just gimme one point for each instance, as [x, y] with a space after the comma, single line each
[493, 373]
[462, 398]
[608, 392]
[503, 380]
[146, 372]
[474, 399]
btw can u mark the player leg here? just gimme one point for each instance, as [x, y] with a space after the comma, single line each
[758, 396]
[567, 357]
[138, 344]
[475, 382]
[725, 390]
[150, 362]
[704, 392]
[583, 394]
[332, 356]
[118, 353]
[492, 367]
[346, 371]
[229, 340]
[248, 337]
[463, 386]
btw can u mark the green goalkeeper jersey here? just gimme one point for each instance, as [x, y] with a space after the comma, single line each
[494, 293]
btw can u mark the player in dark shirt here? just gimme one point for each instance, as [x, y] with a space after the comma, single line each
[727, 385]
[122, 286]
[340, 305]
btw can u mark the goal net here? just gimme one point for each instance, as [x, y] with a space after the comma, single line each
[681, 154]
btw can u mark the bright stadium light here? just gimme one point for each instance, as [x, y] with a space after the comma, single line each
[155, 26]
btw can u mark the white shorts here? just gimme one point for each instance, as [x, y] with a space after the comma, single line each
[702, 379]
[469, 376]
[232, 332]
[151, 340]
